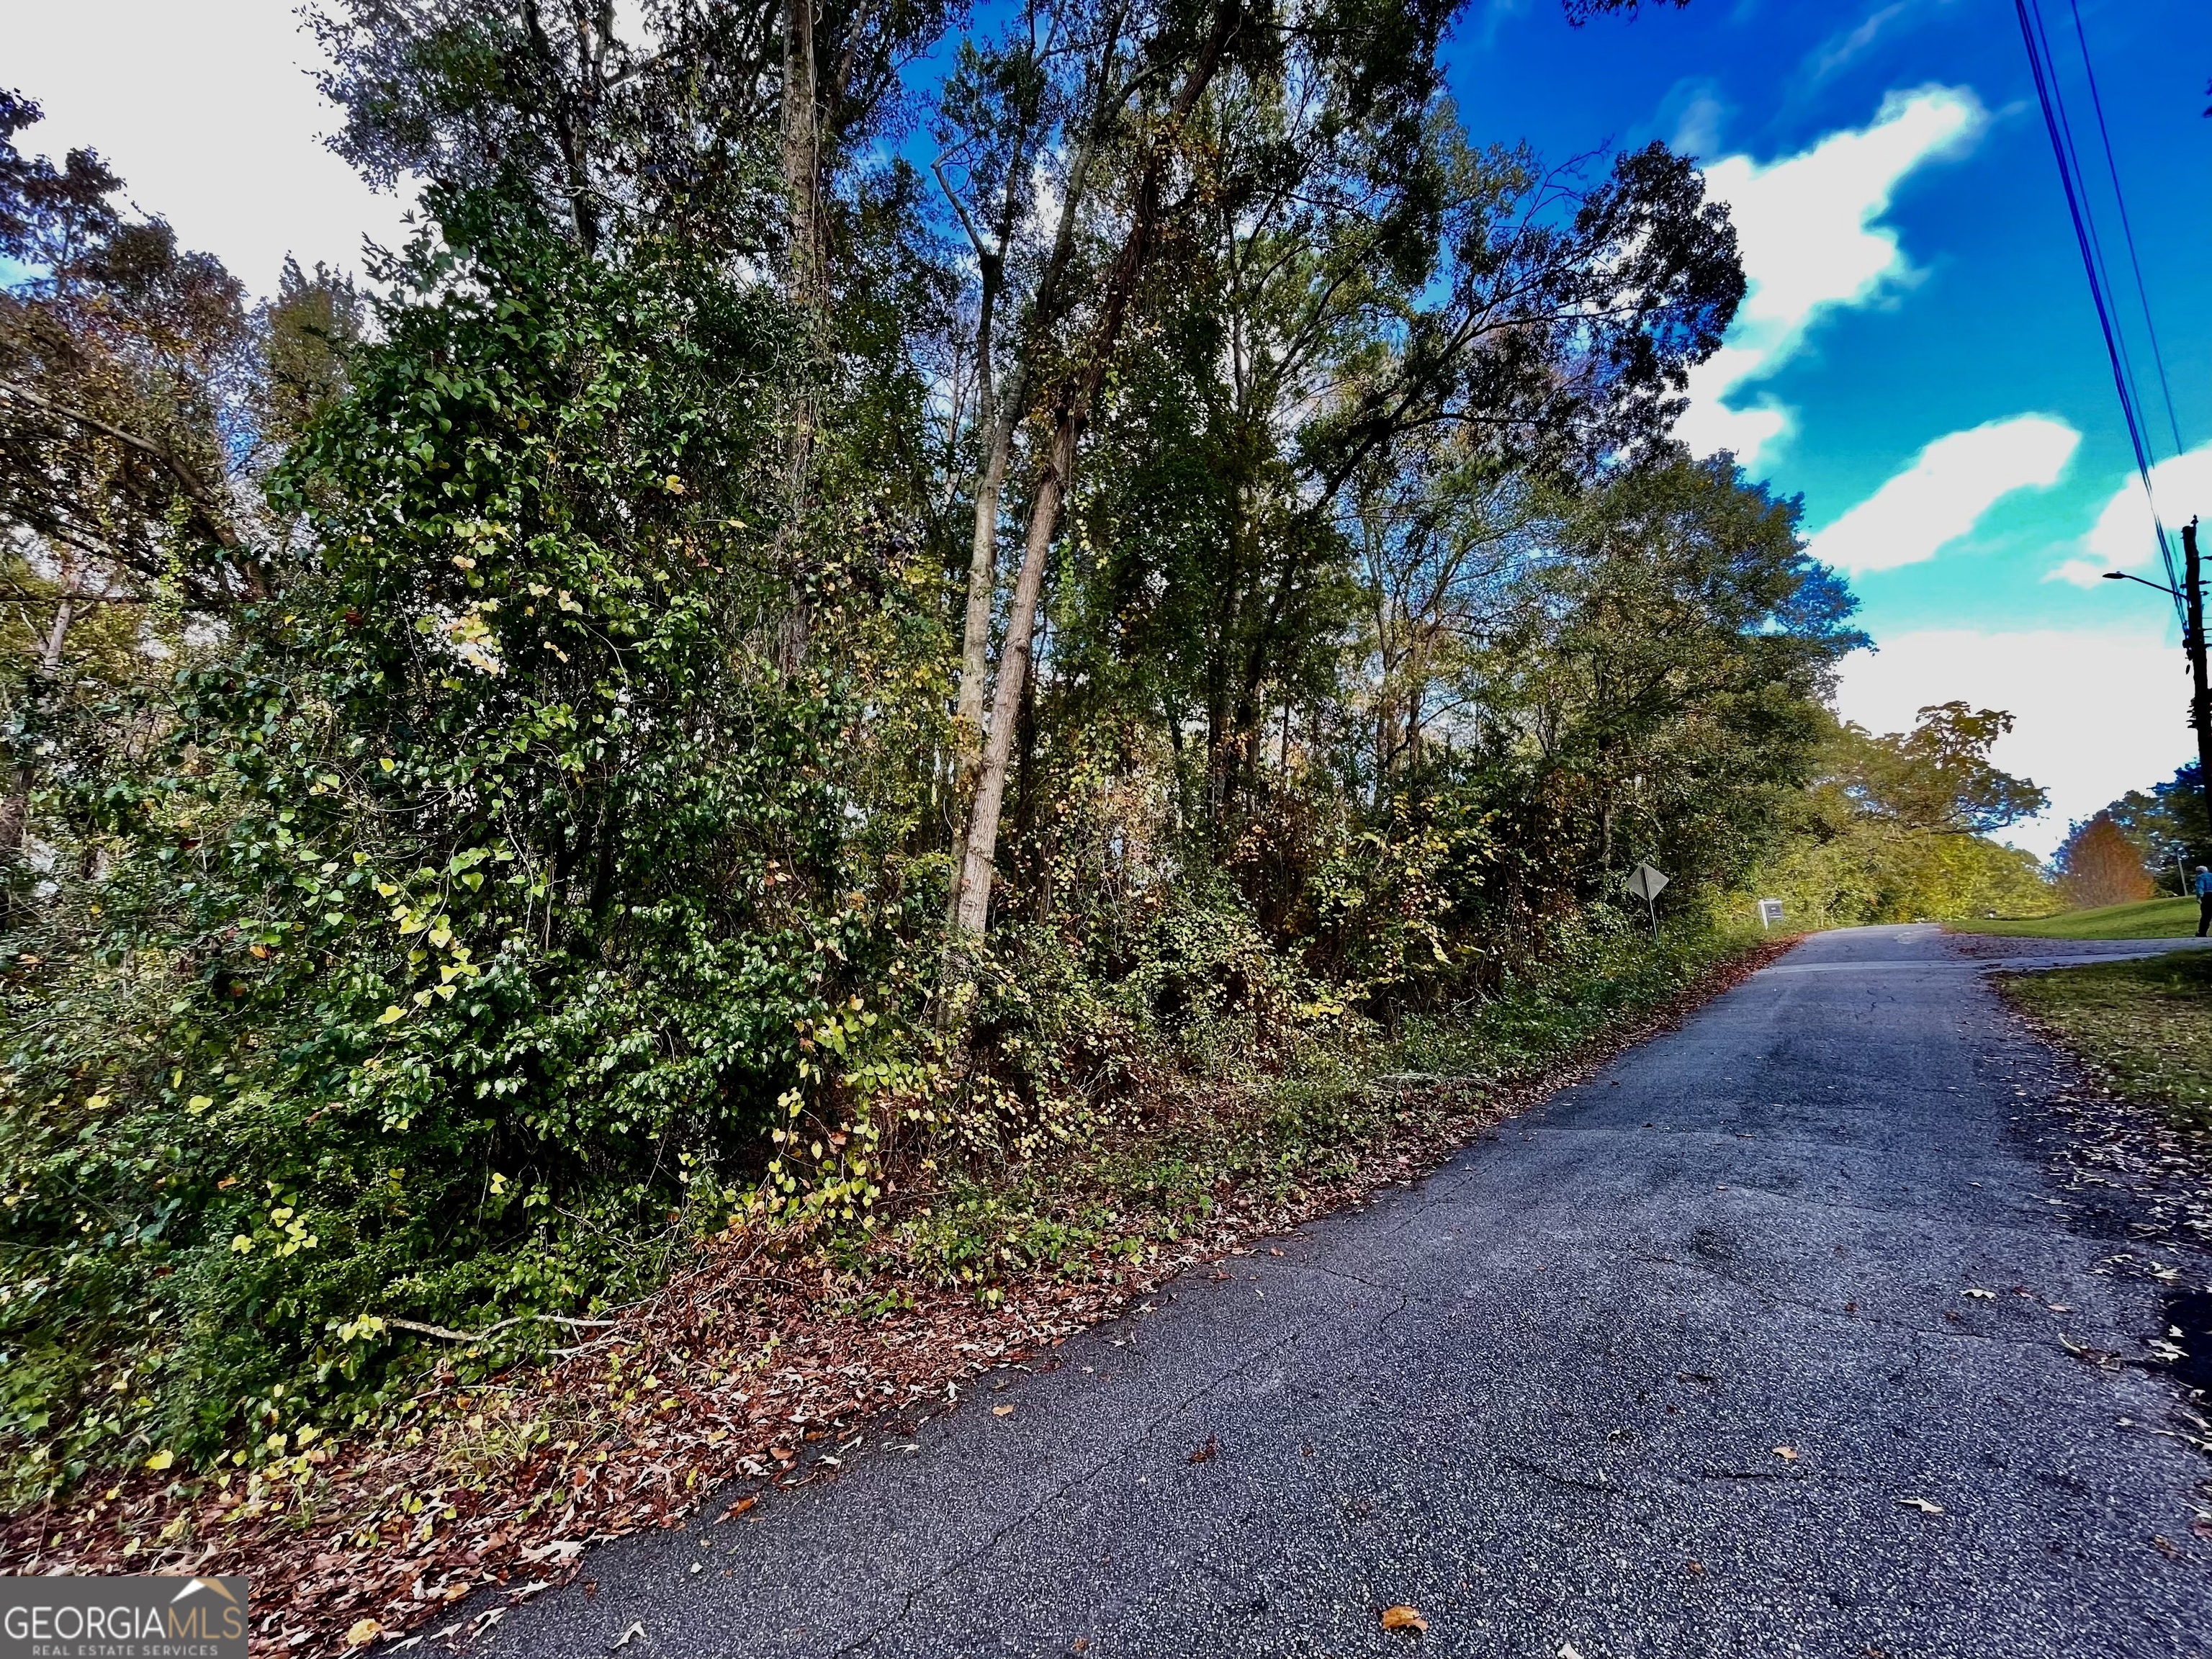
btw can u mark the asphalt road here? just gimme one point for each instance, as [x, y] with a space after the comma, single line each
[1539, 1396]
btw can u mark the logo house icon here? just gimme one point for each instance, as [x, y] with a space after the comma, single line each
[193, 1586]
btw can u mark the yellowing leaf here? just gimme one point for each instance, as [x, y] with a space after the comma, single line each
[364, 1631]
[1403, 1618]
[161, 1459]
[1002, 1410]
[198, 1103]
[395, 1012]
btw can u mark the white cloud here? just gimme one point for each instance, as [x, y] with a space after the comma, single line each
[1840, 50]
[2124, 537]
[2100, 713]
[212, 120]
[1809, 228]
[1944, 492]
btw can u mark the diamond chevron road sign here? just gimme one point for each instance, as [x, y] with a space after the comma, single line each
[1645, 883]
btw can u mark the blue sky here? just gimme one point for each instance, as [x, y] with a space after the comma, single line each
[1978, 338]
[1919, 358]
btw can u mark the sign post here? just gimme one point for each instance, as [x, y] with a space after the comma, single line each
[1646, 883]
[1770, 914]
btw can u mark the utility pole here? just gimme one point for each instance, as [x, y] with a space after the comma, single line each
[2200, 688]
[2192, 600]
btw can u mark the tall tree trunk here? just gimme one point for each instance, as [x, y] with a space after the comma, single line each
[983, 571]
[975, 636]
[999, 416]
[802, 183]
[972, 894]
[802, 148]
[15, 810]
[972, 900]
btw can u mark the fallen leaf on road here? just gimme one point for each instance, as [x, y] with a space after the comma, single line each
[363, 1632]
[781, 1454]
[1403, 1618]
[1986, 1296]
[1568, 1650]
[1002, 1410]
[1698, 1569]
[2102, 1358]
[1921, 1505]
[1206, 1451]
[1787, 1454]
[637, 1630]
[740, 1507]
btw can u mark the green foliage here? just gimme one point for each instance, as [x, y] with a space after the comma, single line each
[1938, 776]
[1890, 830]
[485, 904]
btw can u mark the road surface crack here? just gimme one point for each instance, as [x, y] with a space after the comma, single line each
[1600, 1485]
[1081, 1477]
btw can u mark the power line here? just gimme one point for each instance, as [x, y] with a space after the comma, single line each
[2070, 167]
[2127, 229]
[2092, 263]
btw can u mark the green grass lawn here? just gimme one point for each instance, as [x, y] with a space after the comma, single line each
[2158, 917]
[2146, 1025]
